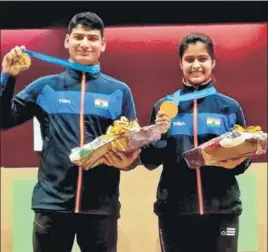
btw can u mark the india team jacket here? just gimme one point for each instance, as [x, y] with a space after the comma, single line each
[70, 113]
[185, 191]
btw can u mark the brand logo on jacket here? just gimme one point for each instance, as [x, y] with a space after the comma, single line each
[178, 123]
[65, 101]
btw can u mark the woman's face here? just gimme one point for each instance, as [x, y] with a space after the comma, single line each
[197, 64]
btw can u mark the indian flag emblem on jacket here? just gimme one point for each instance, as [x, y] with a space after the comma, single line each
[100, 103]
[213, 122]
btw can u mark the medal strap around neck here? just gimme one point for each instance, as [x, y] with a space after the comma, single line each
[94, 69]
[65, 63]
[177, 97]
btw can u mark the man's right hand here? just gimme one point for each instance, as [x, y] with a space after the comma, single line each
[8, 65]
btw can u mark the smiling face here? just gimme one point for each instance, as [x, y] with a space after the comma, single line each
[85, 45]
[197, 64]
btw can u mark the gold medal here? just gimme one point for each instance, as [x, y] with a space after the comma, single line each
[22, 61]
[169, 108]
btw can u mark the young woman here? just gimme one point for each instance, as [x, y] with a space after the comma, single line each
[198, 209]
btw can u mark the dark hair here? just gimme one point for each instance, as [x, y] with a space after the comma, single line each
[193, 38]
[89, 19]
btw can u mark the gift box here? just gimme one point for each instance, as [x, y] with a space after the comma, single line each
[237, 143]
[124, 135]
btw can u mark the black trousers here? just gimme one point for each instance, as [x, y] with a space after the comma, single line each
[55, 232]
[199, 233]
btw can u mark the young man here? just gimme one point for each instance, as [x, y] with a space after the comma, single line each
[68, 201]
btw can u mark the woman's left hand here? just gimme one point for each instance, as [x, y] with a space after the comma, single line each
[231, 163]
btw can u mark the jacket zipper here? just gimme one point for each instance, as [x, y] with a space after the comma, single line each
[82, 135]
[198, 172]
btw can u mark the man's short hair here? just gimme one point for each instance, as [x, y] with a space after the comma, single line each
[89, 19]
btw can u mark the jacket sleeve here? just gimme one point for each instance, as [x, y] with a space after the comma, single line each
[19, 109]
[240, 120]
[153, 154]
[128, 108]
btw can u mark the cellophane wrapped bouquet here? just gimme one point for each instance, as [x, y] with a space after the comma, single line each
[124, 135]
[237, 143]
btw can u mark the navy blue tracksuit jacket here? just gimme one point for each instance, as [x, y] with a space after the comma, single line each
[68, 117]
[178, 191]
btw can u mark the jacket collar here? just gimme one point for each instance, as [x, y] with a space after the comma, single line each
[78, 74]
[75, 74]
[191, 88]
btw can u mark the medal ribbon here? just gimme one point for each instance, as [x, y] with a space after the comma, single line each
[61, 62]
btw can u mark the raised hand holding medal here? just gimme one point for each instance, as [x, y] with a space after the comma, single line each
[18, 59]
[15, 61]
[22, 61]
[167, 111]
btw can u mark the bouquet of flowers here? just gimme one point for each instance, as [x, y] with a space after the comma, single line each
[124, 135]
[237, 143]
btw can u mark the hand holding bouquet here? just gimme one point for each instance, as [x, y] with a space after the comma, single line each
[229, 149]
[123, 136]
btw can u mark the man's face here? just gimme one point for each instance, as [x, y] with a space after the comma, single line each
[197, 64]
[85, 45]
